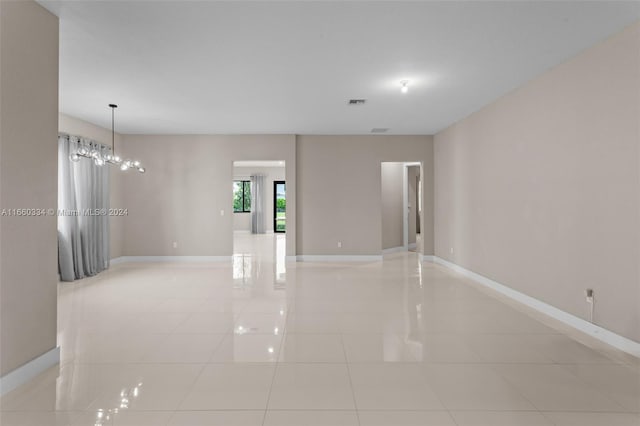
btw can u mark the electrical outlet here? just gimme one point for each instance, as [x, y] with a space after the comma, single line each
[339, 244]
[175, 244]
[221, 212]
[589, 295]
[451, 250]
[592, 304]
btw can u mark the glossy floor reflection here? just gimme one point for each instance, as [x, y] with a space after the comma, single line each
[260, 342]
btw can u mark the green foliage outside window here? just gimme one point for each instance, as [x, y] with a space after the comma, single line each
[281, 208]
[241, 196]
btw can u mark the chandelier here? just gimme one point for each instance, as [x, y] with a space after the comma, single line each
[100, 160]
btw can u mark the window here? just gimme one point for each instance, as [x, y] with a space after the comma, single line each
[279, 206]
[241, 196]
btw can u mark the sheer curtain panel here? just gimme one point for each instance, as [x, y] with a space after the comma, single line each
[257, 204]
[83, 206]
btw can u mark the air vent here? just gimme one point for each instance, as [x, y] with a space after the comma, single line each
[357, 101]
[379, 130]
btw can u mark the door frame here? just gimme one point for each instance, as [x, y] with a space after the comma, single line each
[406, 202]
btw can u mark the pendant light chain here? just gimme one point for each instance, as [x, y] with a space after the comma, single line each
[113, 129]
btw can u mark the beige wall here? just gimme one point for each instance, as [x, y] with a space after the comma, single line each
[77, 127]
[187, 183]
[540, 190]
[242, 221]
[392, 205]
[339, 191]
[28, 179]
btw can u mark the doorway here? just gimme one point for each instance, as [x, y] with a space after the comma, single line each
[401, 206]
[255, 194]
[259, 247]
[279, 206]
[413, 206]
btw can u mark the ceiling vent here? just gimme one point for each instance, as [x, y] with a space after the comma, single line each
[379, 130]
[357, 101]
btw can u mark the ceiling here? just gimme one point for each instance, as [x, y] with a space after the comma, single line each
[258, 164]
[178, 67]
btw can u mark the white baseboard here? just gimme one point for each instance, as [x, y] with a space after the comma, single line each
[413, 246]
[338, 258]
[244, 231]
[291, 258]
[620, 342]
[28, 371]
[393, 250]
[184, 259]
[427, 258]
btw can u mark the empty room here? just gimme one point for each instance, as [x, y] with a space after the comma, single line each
[319, 213]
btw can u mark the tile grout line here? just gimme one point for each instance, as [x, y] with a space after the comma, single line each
[588, 384]
[517, 389]
[544, 416]
[453, 419]
[204, 366]
[353, 390]
[275, 368]
[446, 409]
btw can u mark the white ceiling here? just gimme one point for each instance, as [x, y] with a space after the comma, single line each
[290, 67]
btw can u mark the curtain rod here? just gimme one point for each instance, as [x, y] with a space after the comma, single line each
[82, 138]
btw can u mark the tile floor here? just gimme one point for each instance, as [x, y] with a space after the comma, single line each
[261, 342]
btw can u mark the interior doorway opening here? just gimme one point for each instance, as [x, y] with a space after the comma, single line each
[413, 206]
[401, 196]
[259, 246]
[259, 212]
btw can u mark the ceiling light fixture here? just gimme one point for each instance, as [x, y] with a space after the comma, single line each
[114, 159]
[404, 86]
[101, 160]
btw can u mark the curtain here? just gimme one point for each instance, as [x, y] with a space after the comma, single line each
[83, 205]
[257, 204]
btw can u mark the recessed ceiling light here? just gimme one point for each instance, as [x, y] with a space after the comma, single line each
[357, 101]
[404, 86]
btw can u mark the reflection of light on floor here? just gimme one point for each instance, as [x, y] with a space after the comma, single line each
[127, 396]
[281, 251]
[396, 347]
[241, 269]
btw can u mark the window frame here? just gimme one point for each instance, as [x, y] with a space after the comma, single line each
[243, 183]
[275, 206]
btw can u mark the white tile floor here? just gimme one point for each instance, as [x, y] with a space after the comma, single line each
[261, 342]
